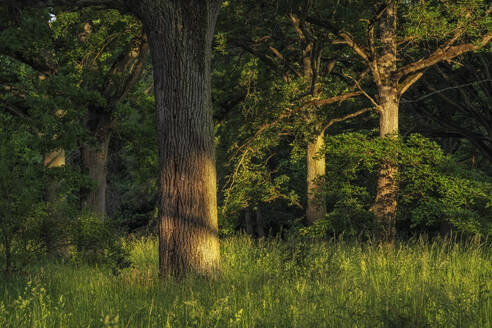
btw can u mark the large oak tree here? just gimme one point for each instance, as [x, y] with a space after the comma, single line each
[180, 34]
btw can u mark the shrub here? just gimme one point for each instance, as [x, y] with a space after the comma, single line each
[97, 242]
[433, 188]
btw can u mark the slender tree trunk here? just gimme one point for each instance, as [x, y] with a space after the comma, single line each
[316, 167]
[95, 163]
[50, 232]
[248, 221]
[260, 223]
[180, 34]
[54, 159]
[384, 207]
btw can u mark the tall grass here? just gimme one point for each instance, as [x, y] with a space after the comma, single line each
[271, 283]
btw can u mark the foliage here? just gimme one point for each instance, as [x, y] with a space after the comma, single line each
[433, 188]
[20, 188]
[96, 241]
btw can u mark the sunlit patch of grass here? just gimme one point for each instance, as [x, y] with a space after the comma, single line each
[266, 283]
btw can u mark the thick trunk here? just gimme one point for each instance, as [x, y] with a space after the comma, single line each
[316, 167]
[384, 207]
[180, 35]
[95, 164]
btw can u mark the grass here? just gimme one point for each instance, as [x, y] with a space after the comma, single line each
[270, 283]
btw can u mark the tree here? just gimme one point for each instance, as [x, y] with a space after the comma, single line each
[301, 59]
[388, 37]
[180, 35]
[92, 58]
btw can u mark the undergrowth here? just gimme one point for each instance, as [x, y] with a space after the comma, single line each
[265, 283]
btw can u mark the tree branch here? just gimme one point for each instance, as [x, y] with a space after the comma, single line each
[346, 39]
[409, 81]
[62, 3]
[407, 101]
[346, 117]
[442, 54]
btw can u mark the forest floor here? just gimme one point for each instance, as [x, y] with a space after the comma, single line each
[272, 283]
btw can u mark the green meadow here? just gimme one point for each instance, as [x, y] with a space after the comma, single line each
[264, 283]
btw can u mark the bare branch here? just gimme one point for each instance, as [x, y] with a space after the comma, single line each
[331, 100]
[376, 105]
[406, 101]
[346, 39]
[346, 117]
[442, 54]
[409, 81]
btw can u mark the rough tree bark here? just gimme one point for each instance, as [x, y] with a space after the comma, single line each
[316, 167]
[384, 207]
[95, 162]
[180, 35]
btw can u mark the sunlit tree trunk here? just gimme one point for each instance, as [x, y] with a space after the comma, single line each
[180, 35]
[316, 167]
[385, 205]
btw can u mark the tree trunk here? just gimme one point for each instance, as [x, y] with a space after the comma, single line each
[248, 221]
[54, 159]
[50, 233]
[384, 207]
[180, 34]
[260, 223]
[316, 167]
[95, 164]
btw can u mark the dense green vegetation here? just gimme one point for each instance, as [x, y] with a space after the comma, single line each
[266, 283]
[337, 152]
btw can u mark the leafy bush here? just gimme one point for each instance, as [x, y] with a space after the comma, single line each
[97, 242]
[20, 188]
[433, 188]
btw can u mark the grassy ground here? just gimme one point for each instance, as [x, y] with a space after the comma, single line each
[266, 284]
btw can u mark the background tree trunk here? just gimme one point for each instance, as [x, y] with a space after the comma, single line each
[260, 223]
[180, 34]
[95, 163]
[316, 167]
[50, 233]
[54, 159]
[248, 221]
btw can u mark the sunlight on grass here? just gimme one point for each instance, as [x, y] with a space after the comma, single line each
[270, 283]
